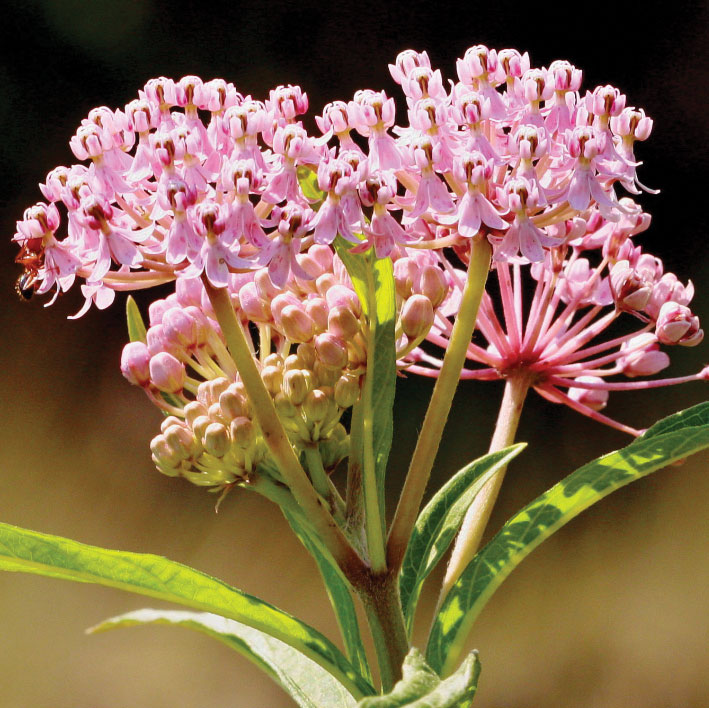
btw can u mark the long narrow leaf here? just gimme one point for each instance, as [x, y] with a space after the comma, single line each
[306, 682]
[373, 280]
[545, 515]
[439, 522]
[136, 326]
[157, 577]
[340, 594]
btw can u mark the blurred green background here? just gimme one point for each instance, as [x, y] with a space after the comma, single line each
[612, 611]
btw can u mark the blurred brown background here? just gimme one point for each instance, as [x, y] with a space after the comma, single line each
[610, 612]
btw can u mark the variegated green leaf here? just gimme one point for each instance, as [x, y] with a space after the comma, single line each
[145, 574]
[439, 522]
[308, 684]
[678, 438]
[421, 687]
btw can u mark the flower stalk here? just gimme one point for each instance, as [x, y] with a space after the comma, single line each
[439, 405]
[276, 438]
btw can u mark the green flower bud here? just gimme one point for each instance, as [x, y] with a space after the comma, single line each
[193, 410]
[316, 406]
[232, 404]
[347, 391]
[181, 440]
[272, 378]
[199, 426]
[284, 407]
[243, 432]
[297, 384]
[216, 440]
[306, 355]
[326, 375]
[273, 360]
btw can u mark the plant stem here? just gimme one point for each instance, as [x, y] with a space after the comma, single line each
[478, 513]
[276, 439]
[374, 524]
[386, 621]
[440, 404]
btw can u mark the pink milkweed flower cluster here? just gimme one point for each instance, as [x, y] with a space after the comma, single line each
[193, 179]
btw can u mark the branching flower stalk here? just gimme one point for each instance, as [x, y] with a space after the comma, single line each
[310, 270]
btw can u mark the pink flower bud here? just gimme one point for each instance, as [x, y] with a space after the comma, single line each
[630, 290]
[342, 322]
[180, 327]
[167, 373]
[296, 324]
[677, 325]
[189, 291]
[341, 296]
[318, 311]
[135, 363]
[156, 310]
[644, 357]
[252, 305]
[433, 285]
[595, 398]
[416, 316]
[331, 350]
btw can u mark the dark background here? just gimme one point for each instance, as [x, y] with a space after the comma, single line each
[610, 612]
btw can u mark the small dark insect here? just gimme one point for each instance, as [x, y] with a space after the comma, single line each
[28, 281]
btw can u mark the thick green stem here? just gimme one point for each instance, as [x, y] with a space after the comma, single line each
[374, 524]
[276, 439]
[386, 621]
[440, 405]
[478, 513]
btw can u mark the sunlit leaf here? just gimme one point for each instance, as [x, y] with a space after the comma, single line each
[421, 687]
[340, 594]
[548, 513]
[42, 554]
[373, 281]
[136, 326]
[308, 684]
[439, 522]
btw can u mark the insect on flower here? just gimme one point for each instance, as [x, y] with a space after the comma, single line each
[33, 262]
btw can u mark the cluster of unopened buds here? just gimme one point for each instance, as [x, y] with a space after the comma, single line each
[195, 182]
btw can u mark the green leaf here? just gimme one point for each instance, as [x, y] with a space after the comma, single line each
[136, 326]
[691, 417]
[548, 513]
[373, 281]
[339, 592]
[157, 577]
[421, 687]
[439, 522]
[308, 181]
[308, 684]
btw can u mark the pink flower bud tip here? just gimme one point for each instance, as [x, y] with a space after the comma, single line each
[167, 373]
[594, 398]
[135, 363]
